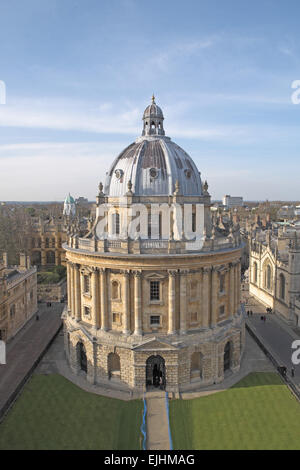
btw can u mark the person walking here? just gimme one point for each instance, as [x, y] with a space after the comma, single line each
[292, 372]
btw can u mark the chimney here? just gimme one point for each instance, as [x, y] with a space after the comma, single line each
[23, 262]
[5, 260]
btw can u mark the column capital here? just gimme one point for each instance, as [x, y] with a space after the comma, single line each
[102, 270]
[172, 272]
[184, 272]
[207, 269]
[137, 274]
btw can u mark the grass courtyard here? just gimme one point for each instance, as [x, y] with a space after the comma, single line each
[53, 413]
[257, 413]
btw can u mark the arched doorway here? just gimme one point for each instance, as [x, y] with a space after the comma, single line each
[82, 357]
[227, 356]
[156, 372]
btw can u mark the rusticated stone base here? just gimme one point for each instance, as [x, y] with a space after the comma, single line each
[119, 359]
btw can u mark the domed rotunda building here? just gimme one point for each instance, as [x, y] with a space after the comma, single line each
[154, 286]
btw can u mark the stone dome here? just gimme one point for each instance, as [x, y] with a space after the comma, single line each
[153, 164]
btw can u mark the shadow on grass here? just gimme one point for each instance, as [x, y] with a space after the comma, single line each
[259, 379]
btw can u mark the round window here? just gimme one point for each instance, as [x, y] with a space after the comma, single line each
[153, 173]
[119, 173]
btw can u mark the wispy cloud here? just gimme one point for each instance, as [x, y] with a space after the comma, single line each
[105, 118]
[34, 165]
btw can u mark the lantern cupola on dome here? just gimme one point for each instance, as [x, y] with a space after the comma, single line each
[153, 119]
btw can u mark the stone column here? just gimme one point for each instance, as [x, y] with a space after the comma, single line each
[238, 284]
[206, 296]
[82, 273]
[126, 316]
[103, 304]
[77, 293]
[73, 291]
[69, 286]
[172, 311]
[183, 289]
[214, 295]
[137, 303]
[94, 292]
[231, 291]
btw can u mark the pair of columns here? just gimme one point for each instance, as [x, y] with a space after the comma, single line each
[209, 296]
[98, 296]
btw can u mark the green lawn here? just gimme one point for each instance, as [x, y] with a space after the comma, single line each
[53, 413]
[257, 413]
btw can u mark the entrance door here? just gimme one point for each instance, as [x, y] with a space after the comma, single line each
[156, 372]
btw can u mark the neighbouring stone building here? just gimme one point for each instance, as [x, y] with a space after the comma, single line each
[55, 292]
[274, 270]
[147, 310]
[18, 296]
[45, 239]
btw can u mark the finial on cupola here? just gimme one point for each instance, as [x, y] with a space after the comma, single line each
[153, 98]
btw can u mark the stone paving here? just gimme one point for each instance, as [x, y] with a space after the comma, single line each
[276, 335]
[25, 349]
[157, 422]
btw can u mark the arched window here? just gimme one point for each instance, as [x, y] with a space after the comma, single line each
[282, 286]
[268, 277]
[50, 257]
[149, 223]
[255, 272]
[222, 282]
[116, 224]
[115, 290]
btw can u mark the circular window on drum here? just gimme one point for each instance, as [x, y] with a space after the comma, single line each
[153, 173]
[119, 173]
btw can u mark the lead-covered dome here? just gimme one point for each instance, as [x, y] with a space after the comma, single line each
[153, 164]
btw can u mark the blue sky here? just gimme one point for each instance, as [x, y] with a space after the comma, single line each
[79, 74]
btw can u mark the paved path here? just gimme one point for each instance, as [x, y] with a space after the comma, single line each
[26, 348]
[276, 335]
[157, 421]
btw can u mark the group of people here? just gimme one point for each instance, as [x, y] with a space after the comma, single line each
[249, 313]
[158, 378]
[283, 371]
